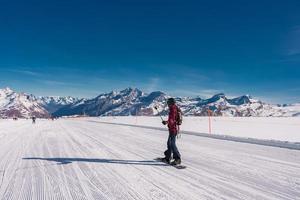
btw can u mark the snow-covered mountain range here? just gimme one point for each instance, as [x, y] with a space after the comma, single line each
[135, 102]
[52, 104]
[13, 104]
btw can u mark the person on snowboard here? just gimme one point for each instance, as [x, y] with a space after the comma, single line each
[173, 131]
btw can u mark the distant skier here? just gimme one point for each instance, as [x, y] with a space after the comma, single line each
[33, 120]
[173, 123]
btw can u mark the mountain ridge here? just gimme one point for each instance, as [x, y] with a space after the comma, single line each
[132, 101]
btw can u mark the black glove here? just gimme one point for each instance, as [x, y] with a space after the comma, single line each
[164, 122]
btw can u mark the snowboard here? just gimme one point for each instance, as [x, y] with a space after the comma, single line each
[176, 166]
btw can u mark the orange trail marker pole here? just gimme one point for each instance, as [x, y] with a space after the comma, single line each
[136, 117]
[209, 112]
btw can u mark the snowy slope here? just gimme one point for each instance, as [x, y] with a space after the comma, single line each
[285, 129]
[75, 159]
[291, 109]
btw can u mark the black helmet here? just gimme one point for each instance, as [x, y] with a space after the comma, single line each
[171, 101]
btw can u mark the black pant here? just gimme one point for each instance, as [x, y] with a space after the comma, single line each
[172, 148]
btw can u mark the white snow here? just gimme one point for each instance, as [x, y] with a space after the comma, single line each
[266, 128]
[57, 100]
[90, 159]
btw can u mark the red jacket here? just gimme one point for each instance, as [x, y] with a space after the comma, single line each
[172, 124]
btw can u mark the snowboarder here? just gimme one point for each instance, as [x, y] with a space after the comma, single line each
[173, 131]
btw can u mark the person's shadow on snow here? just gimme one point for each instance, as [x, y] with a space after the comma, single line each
[63, 161]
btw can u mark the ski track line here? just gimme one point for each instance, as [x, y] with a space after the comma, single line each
[144, 179]
[184, 180]
[42, 188]
[17, 169]
[178, 177]
[79, 168]
[26, 177]
[56, 190]
[30, 178]
[12, 156]
[132, 192]
[86, 170]
[68, 173]
[188, 181]
[216, 169]
[271, 192]
[96, 139]
[132, 196]
[83, 173]
[195, 184]
[263, 142]
[57, 181]
[61, 182]
[138, 197]
[223, 174]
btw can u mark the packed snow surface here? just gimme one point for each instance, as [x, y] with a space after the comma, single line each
[94, 159]
[266, 128]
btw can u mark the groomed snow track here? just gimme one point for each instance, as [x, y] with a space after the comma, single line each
[79, 159]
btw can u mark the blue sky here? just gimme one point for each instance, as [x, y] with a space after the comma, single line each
[185, 48]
